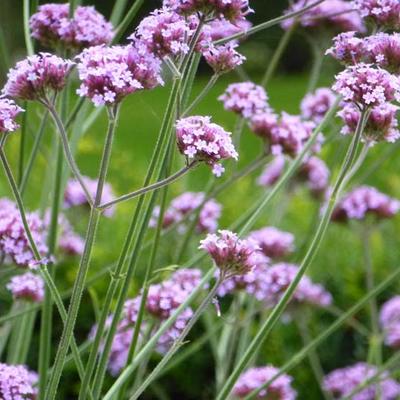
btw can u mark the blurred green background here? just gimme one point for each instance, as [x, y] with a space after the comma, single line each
[339, 264]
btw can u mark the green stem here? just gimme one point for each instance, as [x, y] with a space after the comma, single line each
[318, 58]
[22, 144]
[278, 53]
[210, 84]
[179, 341]
[27, 33]
[150, 188]
[319, 235]
[297, 358]
[117, 11]
[129, 16]
[79, 284]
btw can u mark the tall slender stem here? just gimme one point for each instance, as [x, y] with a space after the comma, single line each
[317, 61]
[127, 20]
[79, 284]
[311, 253]
[27, 33]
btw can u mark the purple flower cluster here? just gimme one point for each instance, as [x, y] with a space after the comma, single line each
[37, 76]
[245, 99]
[272, 172]
[367, 86]
[28, 286]
[186, 204]
[108, 74]
[223, 58]
[347, 48]
[381, 125]
[383, 13]
[231, 10]
[336, 15]
[52, 26]
[232, 255]
[17, 383]
[8, 112]
[315, 105]
[254, 378]
[222, 28]
[341, 382]
[272, 242]
[390, 321]
[201, 140]
[363, 201]
[13, 240]
[75, 196]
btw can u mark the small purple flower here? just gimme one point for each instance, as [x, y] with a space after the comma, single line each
[37, 77]
[272, 242]
[384, 50]
[363, 201]
[28, 286]
[75, 196]
[200, 139]
[341, 382]
[245, 99]
[278, 278]
[390, 321]
[232, 255]
[381, 125]
[334, 15]
[108, 74]
[223, 58]
[272, 172]
[316, 174]
[280, 389]
[315, 105]
[383, 13]
[17, 383]
[231, 10]
[348, 48]
[367, 86]
[263, 123]
[51, 26]
[8, 112]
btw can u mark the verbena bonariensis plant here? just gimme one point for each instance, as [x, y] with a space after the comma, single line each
[240, 282]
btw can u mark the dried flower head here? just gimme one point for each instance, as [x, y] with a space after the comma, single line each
[254, 378]
[363, 201]
[381, 125]
[390, 321]
[231, 254]
[51, 26]
[341, 382]
[383, 13]
[367, 86]
[28, 286]
[348, 48]
[245, 99]
[37, 77]
[17, 383]
[200, 139]
[108, 74]
[223, 58]
[315, 105]
[8, 113]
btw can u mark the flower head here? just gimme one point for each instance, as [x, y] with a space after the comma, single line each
[272, 172]
[200, 139]
[341, 382]
[384, 50]
[334, 15]
[280, 389]
[381, 124]
[223, 58]
[28, 286]
[245, 99]
[316, 175]
[222, 28]
[51, 26]
[272, 242]
[315, 105]
[263, 123]
[230, 254]
[364, 201]
[37, 76]
[367, 86]
[348, 48]
[17, 383]
[75, 196]
[108, 74]
[383, 13]
[390, 321]
[8, 112]
[231, 10]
